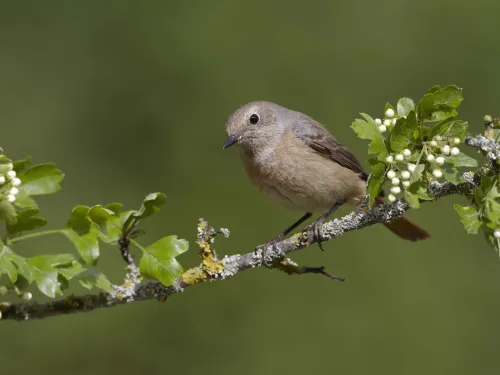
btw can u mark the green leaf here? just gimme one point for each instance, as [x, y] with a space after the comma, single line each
[91, 277]
[12, 264]
[398, 142]
[45, 276]
[27, 220]
[417, 173]
[451, 174]
[99, 215]
[83, 233]
[462, 160]
[158, 260]
[366, 129]
[150, 205]
[7, 212]
[439, 103]
[41, 179]
[21, 165]
[23, 200]
[451, 128]
[404, 106]
[115, 207]
[411, 199]
[375, 180]
[469, 217]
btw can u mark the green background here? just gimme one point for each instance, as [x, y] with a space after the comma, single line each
[132, 97]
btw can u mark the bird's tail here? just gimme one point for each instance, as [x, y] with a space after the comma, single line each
[404, 228]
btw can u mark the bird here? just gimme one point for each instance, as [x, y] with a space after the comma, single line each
[297, 162]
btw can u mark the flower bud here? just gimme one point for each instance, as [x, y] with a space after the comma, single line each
[2, 180]
[27, 296]
[391, 198]
[382, 128]
[406, 153]
[434, 143]
[378, 121]
[399, 157]
[395, 181]
[437, 137]
[439, 160]
[437, 173]
[387, 122]
[430, 158]
[3, 290]
[16, 182]
[11, 174]
[487, 119]
[394, 120]
[14, 191]
[455, 151]
[496, 234]
[456, 141]
[11, 198]
[389, 113]
[445, 149]
[406, 183]
[395, 190]
[391, 174]
[389, 159]
[405, 175]
[411, 167]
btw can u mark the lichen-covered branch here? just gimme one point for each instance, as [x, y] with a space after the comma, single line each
[212, 268]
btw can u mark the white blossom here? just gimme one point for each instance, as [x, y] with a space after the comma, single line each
[389, 113]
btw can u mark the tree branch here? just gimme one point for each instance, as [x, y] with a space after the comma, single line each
[213, 269]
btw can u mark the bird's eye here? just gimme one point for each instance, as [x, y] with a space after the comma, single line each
[254, 118]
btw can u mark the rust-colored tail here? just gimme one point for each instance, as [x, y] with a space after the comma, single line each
[404, 228]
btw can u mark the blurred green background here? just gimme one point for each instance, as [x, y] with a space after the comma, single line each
[132, 97]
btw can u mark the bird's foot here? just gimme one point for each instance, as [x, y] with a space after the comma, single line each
[317, 228]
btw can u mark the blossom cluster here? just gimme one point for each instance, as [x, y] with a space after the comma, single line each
[9, 183]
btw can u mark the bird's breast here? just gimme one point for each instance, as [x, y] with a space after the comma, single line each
[299, 178]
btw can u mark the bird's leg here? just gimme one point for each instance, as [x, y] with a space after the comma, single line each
[282, 235]
[318, 224]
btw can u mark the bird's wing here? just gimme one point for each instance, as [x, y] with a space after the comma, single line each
[323, 142]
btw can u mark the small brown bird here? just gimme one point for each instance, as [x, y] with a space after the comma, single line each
[298, 163]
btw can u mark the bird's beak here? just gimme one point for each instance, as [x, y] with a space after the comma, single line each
[233, 138]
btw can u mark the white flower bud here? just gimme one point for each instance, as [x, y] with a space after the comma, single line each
[406, 183]
[455, 151]
[0, 315]
[437, 173]
[11, 198]
[394, 120]
[391, 198]
[2, 180]
[395, 190]
[378, 121]
[456, 141]
[382, 128]
[406, 153]
[14, 191]
[445, 149]
[496, 234]
[11, 174]
[387, 122]
[405, 175]
[391, 174]
[430, 158]
[389, 113]
[3, 290]
[27, 296]
[439, 160]
[16, 182]
[395, 181]
[434, 143]
[389, 159]
[411, 167]
[437, 137]
[399, 157]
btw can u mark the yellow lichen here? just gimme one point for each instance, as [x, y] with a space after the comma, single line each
[193, 275]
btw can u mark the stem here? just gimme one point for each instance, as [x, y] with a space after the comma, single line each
[36, 234]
